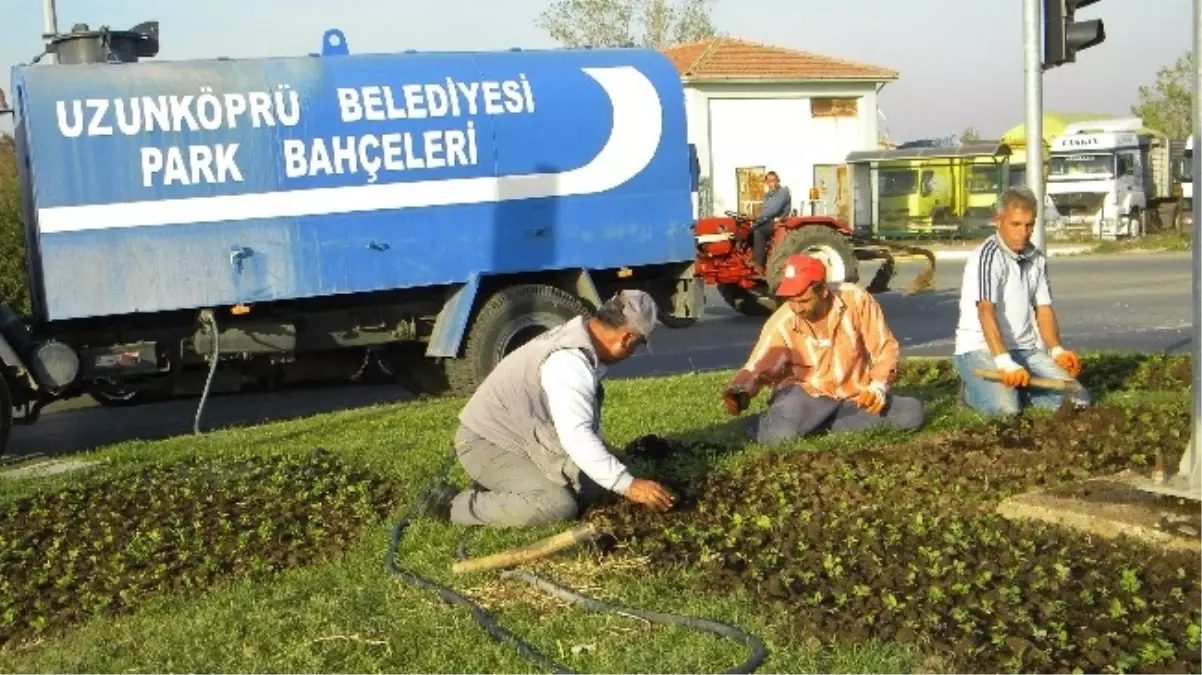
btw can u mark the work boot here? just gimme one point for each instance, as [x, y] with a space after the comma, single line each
[438, 503]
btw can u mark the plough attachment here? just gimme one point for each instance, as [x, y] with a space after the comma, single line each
[871, 248]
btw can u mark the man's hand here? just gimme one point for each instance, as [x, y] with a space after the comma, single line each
[1013, 375]
[1067, 360]
[650, 494]
[737, 399]
[872, 399]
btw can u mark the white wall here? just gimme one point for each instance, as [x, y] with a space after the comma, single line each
[736, 125]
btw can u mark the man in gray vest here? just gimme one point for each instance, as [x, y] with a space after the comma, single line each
[529, 436]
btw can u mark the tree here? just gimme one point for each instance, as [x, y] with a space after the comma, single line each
[970, 135]
[613, 23]
[12, 239]
[1166, 106]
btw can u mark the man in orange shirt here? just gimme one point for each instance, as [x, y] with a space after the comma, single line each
[830, 357]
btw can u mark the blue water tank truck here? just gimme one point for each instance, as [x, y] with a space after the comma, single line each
[416, 208]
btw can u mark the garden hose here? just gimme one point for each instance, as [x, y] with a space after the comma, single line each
[447, 594]
[758, 650]
[214, 353]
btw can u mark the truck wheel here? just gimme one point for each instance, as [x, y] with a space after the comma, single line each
[747, 302]
[6, 414]
[112, 395]
[822, 242]
[510, 318]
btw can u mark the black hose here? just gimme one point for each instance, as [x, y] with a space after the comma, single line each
[448, 595]
[758, 651]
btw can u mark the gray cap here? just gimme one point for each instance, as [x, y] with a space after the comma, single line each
[639, 310]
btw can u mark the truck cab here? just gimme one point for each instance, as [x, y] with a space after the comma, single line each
[1183, 215]
[1102, 179]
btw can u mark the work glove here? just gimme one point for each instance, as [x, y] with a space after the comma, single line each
[1067, 360]
[1013, 375]
[872, 399]
[736, 398]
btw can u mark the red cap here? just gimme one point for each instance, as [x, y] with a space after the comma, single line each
[801, 271]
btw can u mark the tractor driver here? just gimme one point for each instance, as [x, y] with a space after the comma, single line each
[529, 434]
[831, 358]
[777, 204]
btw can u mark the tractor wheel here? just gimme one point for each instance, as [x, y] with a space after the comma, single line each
[510, 318]
[822, 242]
[747, 302]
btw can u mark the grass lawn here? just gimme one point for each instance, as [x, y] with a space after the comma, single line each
[242, 550]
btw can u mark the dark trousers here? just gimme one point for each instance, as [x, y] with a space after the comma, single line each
[760, 234]
[793, 413]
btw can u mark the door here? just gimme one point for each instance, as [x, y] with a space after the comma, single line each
[750, 182]
[834, 192]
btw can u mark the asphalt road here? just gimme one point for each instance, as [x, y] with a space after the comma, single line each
[1130, 302]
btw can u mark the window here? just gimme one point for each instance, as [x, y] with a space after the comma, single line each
[834, 107]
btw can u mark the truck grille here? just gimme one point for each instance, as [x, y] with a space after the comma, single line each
[1076, 204]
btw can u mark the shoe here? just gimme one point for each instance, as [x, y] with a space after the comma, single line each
[438, 503]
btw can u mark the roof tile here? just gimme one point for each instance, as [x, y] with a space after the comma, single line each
[731, 58]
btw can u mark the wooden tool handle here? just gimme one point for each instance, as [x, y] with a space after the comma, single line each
[1041, 382]
[534, 551]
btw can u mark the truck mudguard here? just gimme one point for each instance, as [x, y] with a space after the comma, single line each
[181, 185]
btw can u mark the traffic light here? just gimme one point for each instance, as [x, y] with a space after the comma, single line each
[1063, 35]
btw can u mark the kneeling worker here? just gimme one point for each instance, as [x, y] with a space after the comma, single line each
[1005, 276]
[831, 357]
[529, 435]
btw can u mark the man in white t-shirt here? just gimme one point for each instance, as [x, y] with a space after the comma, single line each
[1005, 277]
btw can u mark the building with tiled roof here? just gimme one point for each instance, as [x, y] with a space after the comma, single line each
[754, 108]
[727, 59]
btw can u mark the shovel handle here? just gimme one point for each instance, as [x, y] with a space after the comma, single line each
[1040, 382]
[525, 554]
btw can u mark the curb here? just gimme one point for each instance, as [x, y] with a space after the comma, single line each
[1052, 252]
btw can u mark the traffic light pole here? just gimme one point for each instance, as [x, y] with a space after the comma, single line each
[1033, 69]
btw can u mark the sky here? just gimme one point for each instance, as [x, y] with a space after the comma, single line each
[960, 61]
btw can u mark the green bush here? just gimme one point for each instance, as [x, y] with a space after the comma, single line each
[13, 288]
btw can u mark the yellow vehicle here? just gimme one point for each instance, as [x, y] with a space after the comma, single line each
[944, 192]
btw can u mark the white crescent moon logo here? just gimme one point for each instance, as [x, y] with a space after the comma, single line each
[633, 140]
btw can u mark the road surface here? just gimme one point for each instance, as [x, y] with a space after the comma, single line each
[1129, 302]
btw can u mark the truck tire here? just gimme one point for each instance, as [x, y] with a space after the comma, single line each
[6, 414]
[747, 302]
[508, 319]
[115, 396]
[822, 242]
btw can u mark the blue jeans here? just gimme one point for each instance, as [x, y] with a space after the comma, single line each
[995, 398]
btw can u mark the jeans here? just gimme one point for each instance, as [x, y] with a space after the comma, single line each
[995, 398]
[793, 413]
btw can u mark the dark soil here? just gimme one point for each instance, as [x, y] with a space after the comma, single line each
[104, 545]
[901, 543]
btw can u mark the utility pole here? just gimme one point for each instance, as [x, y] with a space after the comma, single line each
[49, 29]
[1033, 72]
[1189, 470]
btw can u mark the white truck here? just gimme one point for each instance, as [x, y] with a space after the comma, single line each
[1108, 178]
[1183, 214]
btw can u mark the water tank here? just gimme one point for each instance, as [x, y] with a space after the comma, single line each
[83, 45]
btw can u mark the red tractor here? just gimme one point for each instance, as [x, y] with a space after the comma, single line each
[724, 257]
